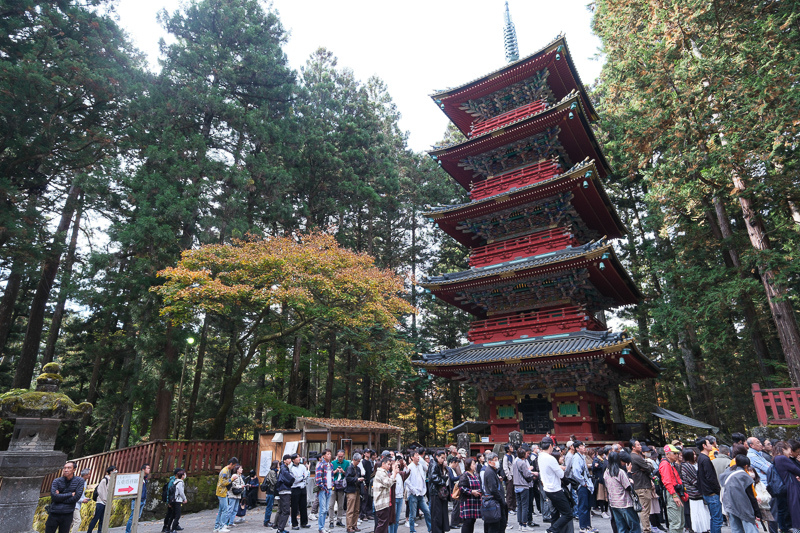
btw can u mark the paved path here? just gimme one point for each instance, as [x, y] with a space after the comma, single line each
[204, 522]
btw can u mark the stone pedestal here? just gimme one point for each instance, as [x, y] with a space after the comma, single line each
[30, 454]
[462, 441]
[515, 438]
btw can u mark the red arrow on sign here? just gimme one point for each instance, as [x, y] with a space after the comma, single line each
[128, 490]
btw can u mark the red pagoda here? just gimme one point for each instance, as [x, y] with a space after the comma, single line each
[542, 271]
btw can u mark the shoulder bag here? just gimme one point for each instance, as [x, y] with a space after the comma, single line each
[490, 510]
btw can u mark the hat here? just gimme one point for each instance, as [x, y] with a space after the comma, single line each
[570, 444]
[462, 451]
[676, 442]
[670, 448]
[645, 448]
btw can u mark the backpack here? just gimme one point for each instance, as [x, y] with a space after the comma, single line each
[775, 485]
[169, 491]
[94, 494]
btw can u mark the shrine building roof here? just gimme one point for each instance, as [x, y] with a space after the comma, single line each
[555, 57]
[562, 130]
[582, 179]
[547, 347]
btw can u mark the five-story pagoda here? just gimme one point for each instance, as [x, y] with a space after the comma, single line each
[542, 270]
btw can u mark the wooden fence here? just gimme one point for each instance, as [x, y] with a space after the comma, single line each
[777, 406]
[196, 457]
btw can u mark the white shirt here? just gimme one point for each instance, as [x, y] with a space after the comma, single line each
[550, 472]
[416, 478]
[398, 490]
[300, 473]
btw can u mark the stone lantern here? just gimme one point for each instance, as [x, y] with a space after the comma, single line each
[30, 454]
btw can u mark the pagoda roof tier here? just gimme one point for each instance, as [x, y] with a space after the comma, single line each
[561, 77]
[525, 358]
[589, 275]
[588, 199]
[562, 131]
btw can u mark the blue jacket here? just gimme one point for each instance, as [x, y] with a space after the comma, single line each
[62, 500]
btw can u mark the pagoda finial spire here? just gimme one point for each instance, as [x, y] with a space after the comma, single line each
[510, 38]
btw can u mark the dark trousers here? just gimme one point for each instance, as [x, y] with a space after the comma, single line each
[439, 518]
[468, 525]
[499, 526]
[168, 518]
[536, 496]
[176, 516]
[366, 505]
[97, 519]
[511, 498]
[562, 514]
[299, 503]
[58, 522]
[455, 514]
[382, 519]
[284, 508]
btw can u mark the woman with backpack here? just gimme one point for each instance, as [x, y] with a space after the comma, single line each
[177, 497]
[100, 496]
[237, 491]
[268, 488]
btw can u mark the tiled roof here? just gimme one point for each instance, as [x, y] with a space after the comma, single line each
[344, 423]
[516, 264]
[532, 348]
[576, 169]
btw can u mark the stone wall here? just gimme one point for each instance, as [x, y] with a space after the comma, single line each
[776, 432]
[200, 491]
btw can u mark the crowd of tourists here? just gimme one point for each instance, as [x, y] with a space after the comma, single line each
[751, 485]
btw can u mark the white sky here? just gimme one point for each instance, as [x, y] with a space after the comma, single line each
[415, 46]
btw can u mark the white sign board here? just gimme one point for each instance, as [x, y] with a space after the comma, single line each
[265, 463]
[126, 485]
[290, 447]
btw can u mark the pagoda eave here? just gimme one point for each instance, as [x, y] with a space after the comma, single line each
[576, 136]
[582, 181]
[555, 57]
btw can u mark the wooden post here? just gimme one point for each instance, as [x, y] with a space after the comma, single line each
[135, 509]
[399, 441]
[112, 481]
[329, 444]
[761, 410]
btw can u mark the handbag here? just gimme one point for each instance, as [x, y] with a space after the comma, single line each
[456, 494]
[443, 492]
[339, 484]
[637, 505]
[237, 490]
[547, 509]
[490, 510]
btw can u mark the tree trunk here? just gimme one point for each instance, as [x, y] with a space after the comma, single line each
[33, 334]
[347, 381]
[690, 366]
[198, 376]
[331, 368]
[8, 302]
[484, 412]
[366, 396]
[795, 210]
[262, 383]
[163, 405]
[615, 402]
[66, 278]
[294, 375]
[131, 365]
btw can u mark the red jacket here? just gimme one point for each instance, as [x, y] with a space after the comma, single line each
[670, 477]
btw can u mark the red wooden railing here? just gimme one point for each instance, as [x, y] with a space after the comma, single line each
[196, 457]
[535, 173]
[509, 116]
[777, 406]
[534, 322]
[529, 245]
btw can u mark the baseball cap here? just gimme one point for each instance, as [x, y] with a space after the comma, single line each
[670, 448]
[462, 451]
[569, 443]
[645, 448]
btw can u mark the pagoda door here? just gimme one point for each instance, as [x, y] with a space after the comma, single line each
[536, 415]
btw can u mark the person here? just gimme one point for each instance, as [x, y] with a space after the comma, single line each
[223, 483]
[642, 472]
[769, 449]
[76, 517]
[415, 483]
[170, 509]
[493, 489]
[284, 489]
[708, 483]
[738, 438]
[619, 487]
[268, 488]
[470, 486]
[551, 474]
[508, 477]
[65, 493]
[536, 496]
[580, 475]
[757, 461]
[739, 498]
[180, 499]
[382, 493]
[699, 516]
[599, 466]
[521, 477]
[438, 494]
[481, 460]
[399, 491]
[145, 473]
[788, 469]
[102, 498]
[299, 499]
[367, 468]
[354, 480]
[323, 479]
[673, 484]
[235, 494]
[453, 475]
[339, 466]
[251, 490]
[722, 459]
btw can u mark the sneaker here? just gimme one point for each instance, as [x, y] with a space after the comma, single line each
[295, 528]
[522, 527]
[593, 530]
[224, 529]
[606, 515]
[339, 523]
[305, 526]
[512, 512]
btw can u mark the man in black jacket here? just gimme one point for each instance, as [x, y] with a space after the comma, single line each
[493, 488]
[365, 511]
[708, 483]
[642, 472]
[64, 494]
